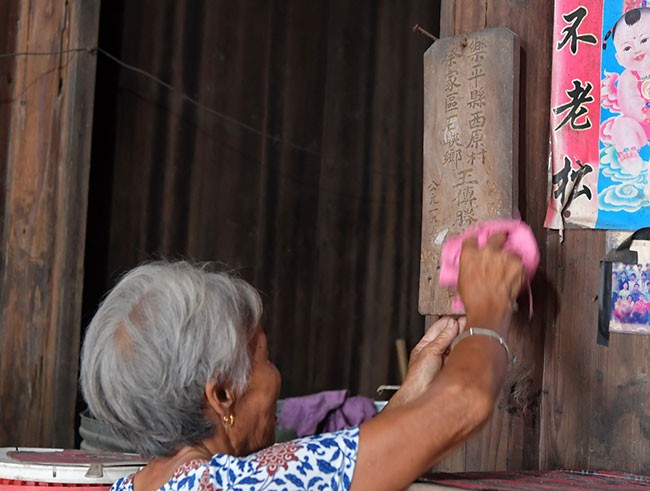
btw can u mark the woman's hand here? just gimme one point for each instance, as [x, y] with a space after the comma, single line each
[426, 359]
[489, 282]
[437, 409]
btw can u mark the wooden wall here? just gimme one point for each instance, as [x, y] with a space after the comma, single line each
[588, 405]
[301, 169]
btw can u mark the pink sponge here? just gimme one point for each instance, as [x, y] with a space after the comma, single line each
[520, 240]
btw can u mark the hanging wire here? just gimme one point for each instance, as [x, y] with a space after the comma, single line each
[183, 95]
[186, 97]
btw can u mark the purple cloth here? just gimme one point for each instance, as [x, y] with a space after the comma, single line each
[324, 412]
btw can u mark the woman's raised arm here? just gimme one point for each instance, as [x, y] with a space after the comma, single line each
[440, 408]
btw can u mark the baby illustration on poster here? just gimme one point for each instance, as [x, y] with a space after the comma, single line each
[625, 109]
[600, 115]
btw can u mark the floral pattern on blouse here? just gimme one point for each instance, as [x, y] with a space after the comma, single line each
[319, 462]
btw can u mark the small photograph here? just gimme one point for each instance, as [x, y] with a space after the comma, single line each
[630, 312]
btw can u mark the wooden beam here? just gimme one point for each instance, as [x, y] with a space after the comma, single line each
[511, 438]
[44, 221]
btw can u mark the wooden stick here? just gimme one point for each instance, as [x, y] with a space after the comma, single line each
[402, 357]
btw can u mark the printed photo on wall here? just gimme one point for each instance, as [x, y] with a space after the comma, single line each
[600, 115]
[630, 298]
[624, 290]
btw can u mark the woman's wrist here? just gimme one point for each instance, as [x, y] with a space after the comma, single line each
[490, 333]
[492, 317]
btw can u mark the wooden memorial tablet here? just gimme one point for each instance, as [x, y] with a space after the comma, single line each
[471, 104]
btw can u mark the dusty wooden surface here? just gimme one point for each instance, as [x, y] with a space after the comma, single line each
[588, 405]
[315, 273]
[8, 18]
[596, 404]
[471, 101]
[511, 439]
[45, 170]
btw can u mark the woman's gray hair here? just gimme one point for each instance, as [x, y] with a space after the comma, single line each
[165, 330]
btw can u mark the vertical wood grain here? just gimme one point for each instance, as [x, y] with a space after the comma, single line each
[587, 404]
[44, 222]
[8, 18]
[595, 407]
[313, 194]
[511, 439]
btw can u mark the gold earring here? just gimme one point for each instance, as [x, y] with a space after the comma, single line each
[228, 420]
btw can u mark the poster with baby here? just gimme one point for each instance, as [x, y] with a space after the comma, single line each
[600, 115]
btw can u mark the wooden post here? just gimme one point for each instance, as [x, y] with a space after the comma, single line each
[511, 438]
[470, 172]
[44, 220]
[588, 405]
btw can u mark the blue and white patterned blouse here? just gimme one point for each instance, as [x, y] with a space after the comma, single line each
[319, 462]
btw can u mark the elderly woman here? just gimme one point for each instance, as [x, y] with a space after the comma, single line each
[176, 362]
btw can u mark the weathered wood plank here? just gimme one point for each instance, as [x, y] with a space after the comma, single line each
[344, 194]
[596, 404]
[319, 208]
[517, 446]
[290, 178]
[471, 82]
[459, 17]
[532, 21]
[395, 195]
[44, 222]
[8, 18]
[594, 399]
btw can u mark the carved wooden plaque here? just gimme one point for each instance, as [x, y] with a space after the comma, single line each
[471, 95]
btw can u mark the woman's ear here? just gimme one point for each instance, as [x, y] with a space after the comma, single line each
[219, 399]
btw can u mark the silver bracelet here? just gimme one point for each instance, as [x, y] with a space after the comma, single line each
[473, 331]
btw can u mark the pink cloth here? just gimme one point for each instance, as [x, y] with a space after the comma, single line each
[520, 240]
